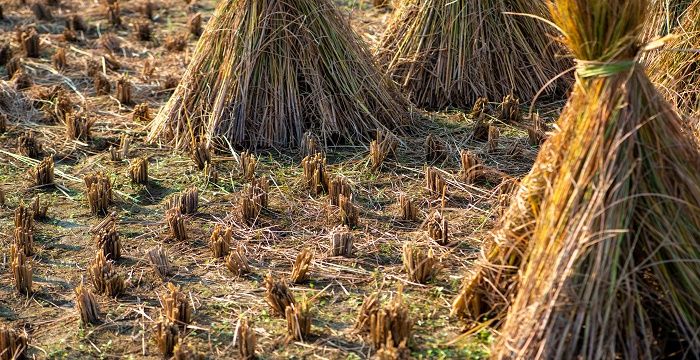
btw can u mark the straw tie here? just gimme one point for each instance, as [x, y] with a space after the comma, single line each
[589, 69]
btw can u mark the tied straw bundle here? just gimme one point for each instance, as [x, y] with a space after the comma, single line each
[264, 72]
[597, 256]
[452, 52]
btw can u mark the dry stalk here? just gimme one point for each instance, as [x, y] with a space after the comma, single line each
[3, 123]
[419, 266]
[300, 270]
[237, 261]
[76, 23]
[159, 261]
[12, 343]
[101, 83]
[310, 145]
[338, 186]
[510, 110]
[369, 308]
[471, 167]
[105, 277]
[254, 199]
[437, 228]
[43, 172]
[176, 224]
[316, 173]
[187, 352]
[220, 241]
[24, 229]
[58, 59]
[29, 146]
[391, 352]
[176, 306]
[86, 304]
[298, 321]
[248, 165]
[349, 215]
[106, 238]
[277, 295]
[194, 23]
[142, 113]
[175, 42]
[39, 210]
[407, 209]
[148, 9]
[78, 126]
[99, 192]
[479, 108]
[247, 340]
[22, 80]
[210, 173]
[143, 31]
[21, 270]
[201, 154]
[383, 147]
[435, 182]
[138, 171]
[494, 134]
[536, 133]
[114, 14]
[166, 336]
[390, 323]
[341, 242]
[124, 90]
[435, 150]
[187, 201]
[31, 43]
[123, 151]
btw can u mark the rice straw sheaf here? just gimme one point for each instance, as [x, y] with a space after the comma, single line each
[598, 255]
[675, 68]
[265, 71]
[451, 52]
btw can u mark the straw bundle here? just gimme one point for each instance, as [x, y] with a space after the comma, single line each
[596, 258]
[676, 68]
[449, 53]
[264, 72]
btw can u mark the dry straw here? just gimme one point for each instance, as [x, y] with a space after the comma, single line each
[138, 171]
[341, 241]
[451, 52]
[316, 173]
[43, 172]
[408, 211]
[265, 72]
[166, 336]
[596, 257]
[369, 308]
[106, 238]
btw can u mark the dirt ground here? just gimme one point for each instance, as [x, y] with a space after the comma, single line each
[293, 221]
